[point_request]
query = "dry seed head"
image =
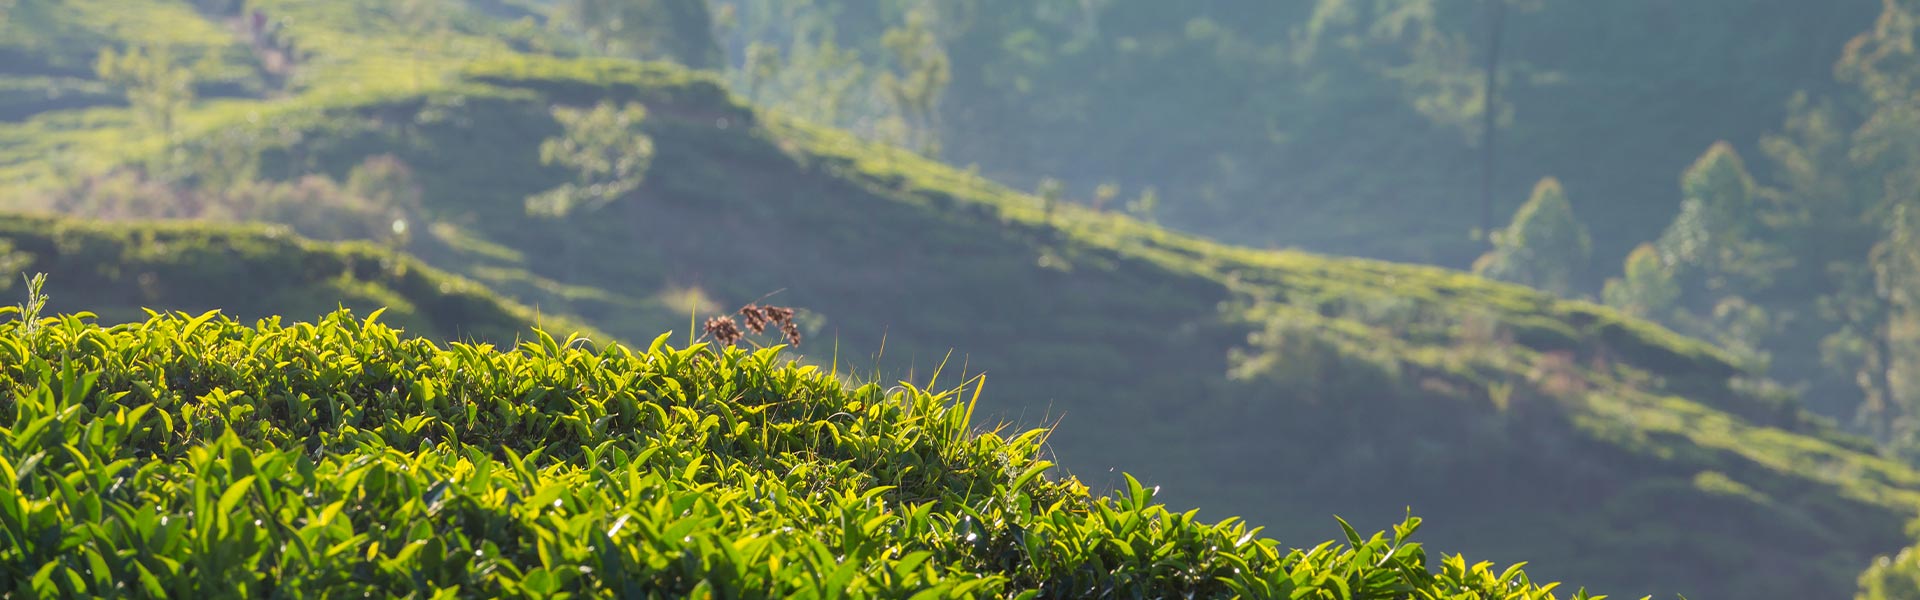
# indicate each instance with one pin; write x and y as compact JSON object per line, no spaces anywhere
{"x":757,"y":319}
{"x":723,"y":330}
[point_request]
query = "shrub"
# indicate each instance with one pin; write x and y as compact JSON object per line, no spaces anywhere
{"x":197,"y":456}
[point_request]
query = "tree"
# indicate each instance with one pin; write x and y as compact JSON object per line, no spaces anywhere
{"x":762,"y":68}
{"x":609,"y":155}
{"x":920,"y":75}
{"x":1646,"y":289}
{"x":1143,"y":208}
{"x":1545,"y":246}
{"x":606,"y":150}
{"x":679,"y":30}
{"x":1104,"y":195}
{"x":1718,"y":243}
{"x":1894,"y":577}
{"x":157,"y":88}
{"x":1893,"y":395}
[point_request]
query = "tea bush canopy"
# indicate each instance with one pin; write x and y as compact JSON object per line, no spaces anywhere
{"x":1275,"y":386}
{"x":198,"y":456}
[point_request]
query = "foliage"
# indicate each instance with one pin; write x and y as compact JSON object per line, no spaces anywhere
{"x":1891,"y":406}
{"x":1807,"y":280}
{"x":606,"y":151}
{"x":185,"y":449}
{"x":121,"y":269}
{"x":790,"y":57}
{"x":1545,"y":246}
{"x":1339,"y":126}
{"x":1718,"y":238}
{"x":1646,"y":287}
{"x":681,"y":30}
{"x":1146,"y":205}
{"x":28,"y":312}
{"x":1518,"y":420}
{"x":1894,"y":577}
{"x":157,"y":88}
{"x":748,"y":194}
{"x":376,"y":204}
{"x":920,"y":76}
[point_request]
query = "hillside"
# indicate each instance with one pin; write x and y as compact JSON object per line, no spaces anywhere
{"x":1364,"y":387}
{"x":116,"y":271}
{"x":1769,"y":127}
{"x":194,"y":455}
{"x":1280,"y":386}
{"x":1327,"y":125}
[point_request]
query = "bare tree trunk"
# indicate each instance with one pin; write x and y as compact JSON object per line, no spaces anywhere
{"x":1489,"y":112}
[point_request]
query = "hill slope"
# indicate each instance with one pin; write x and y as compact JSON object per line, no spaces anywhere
{"x":194,"y":455}
{"x":1273,"y":385}
{"x":1281,"y":386}
{"x":1329,"y":125}
{"x":118,"y":270}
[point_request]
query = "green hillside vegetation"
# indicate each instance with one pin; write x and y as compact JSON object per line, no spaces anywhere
{"x":1892,"y":577}
{"x":1798,"y":258}
{"x":200,"y":457}
{"x":1280,"y":386}
{"x":1361,"y":127}
{"x":1419,"y":377}
{"x":1341,"y":126}
{"x":118,"y":271}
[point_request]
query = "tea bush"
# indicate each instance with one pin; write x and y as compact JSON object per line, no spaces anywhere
{"x":197,"y":456}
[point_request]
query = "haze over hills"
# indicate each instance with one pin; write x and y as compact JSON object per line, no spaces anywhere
{"x":1279,"y":386}
{"x":1748,"y":145}
{"x":1330,"y":125}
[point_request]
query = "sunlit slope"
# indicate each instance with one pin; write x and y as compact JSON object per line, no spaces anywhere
{"x":1281,"y":386}
{"x":119,"y":271}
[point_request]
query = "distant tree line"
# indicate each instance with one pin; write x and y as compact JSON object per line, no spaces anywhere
{"x":1810,"y":275}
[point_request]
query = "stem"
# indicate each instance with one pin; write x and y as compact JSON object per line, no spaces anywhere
{"x":1496,"y":17}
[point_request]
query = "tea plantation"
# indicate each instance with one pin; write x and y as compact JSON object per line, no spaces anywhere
{"x":1278,"y":387}
{"x":200,"y":456}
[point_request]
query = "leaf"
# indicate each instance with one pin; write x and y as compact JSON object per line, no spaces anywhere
{"x":1033,"y":472}
{"x":1353,"y":537}
{"x":149,"y":582}
{"x":1136,"y":493}
{"x":234,"y":494}
{"x":193,"y":325}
